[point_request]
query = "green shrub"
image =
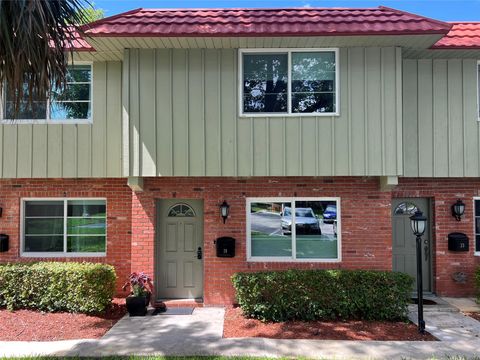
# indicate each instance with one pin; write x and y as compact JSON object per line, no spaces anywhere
{"x":477,"y":283}
{"x":57,"y":286}
{"x":323,"y":294}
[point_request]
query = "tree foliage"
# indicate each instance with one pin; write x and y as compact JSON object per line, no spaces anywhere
{"x":92,"y":14}
{"x":36,"y":37}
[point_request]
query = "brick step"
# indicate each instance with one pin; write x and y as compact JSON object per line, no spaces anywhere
{"x":175,"y":303}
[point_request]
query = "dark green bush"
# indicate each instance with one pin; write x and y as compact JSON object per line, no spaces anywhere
{"x":57,"y":286}
{"x":323,"y":294}
{"x":477,"y":283}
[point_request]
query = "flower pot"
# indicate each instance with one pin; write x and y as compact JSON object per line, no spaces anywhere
{"x":137,"y":305}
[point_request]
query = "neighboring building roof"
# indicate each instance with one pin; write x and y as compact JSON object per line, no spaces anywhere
{"x":463,"y":35}
{"x":78,"y":43}
{"x":265,"y":22}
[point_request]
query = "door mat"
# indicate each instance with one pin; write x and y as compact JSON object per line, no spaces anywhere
{"x":425,"y":301}
{"x":174,"y":311}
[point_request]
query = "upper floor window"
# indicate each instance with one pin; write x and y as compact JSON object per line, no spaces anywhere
{"x":71,"y":104}
{"x":281,"y":82}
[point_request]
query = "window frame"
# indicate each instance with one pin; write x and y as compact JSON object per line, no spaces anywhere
{"x":478,"y":90}
{"x":4,"y":121}
{"x":289,"y":52}
{"x":64,"y":254}
{"x":292,"y":259}
{"x":475,"y":251}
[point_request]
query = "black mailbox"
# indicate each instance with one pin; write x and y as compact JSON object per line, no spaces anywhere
{"x":457,"y":242}
{"x":225,"y":247}
{"x":3,"y":243}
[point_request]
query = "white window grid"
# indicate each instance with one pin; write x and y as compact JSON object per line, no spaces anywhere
{"x":42,"y":254}
{"x":289,"y":52}
{"x":292,"y":258}
{"x":475,"y":233}
{"x":48,"y":120}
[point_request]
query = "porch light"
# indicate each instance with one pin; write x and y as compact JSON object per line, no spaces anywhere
{"x":458,"y":209}
{"x":224,"y":210}
{"x":418,"y":222}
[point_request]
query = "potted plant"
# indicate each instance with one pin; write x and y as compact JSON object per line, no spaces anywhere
{"x":141,"y":287}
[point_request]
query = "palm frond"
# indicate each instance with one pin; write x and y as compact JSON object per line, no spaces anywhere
{"x":36,"y":37}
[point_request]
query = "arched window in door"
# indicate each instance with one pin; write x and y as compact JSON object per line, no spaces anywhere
{"x":181,"y":210}
{"x":405,"y":208}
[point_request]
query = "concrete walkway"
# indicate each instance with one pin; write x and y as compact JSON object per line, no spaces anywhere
{"x":201,"y":334}
{"x":446,"y":322}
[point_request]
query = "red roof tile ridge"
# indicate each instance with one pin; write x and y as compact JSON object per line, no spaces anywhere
{"x":88,"y":26}
{"x":258,"y":9}
{"x":446,"y":24}
{"x":202,"y":21}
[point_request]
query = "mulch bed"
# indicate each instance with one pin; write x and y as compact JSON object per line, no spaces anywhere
{"x":30,"y":325}
{"x":236,"y":325}
{"x":474,"y":315}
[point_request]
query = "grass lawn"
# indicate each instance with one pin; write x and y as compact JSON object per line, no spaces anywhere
{"x":448,"y":357}
{"x":144,"y":358}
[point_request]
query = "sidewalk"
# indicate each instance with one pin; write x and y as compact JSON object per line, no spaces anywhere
{"x":201,"y":334}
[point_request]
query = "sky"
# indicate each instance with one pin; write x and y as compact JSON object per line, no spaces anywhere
{"x":446,"y":10}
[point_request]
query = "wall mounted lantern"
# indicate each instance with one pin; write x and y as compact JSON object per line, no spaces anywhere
{"x":1,"y":211}
{"x":224,"y":210}
{"x":458,"y":209}
{"x":418,"y":222}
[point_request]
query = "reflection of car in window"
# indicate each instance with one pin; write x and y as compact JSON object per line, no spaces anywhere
{"x":306,"y":221}
{"x":330,"y":214}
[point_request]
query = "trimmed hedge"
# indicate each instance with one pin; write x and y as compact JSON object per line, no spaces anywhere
{"x":57,"y":286}
{"x":323,"y":294}
{"x":477,"y":283}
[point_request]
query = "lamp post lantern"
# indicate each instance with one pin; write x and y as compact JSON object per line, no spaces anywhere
{"x":418,"y":222}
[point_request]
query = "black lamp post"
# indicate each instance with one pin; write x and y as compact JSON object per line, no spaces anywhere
{"x":418,"y":222}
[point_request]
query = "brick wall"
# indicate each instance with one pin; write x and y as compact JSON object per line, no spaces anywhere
{"x":366,"y":225}
{"x":119,"y":201}
{"x":365,"y":221}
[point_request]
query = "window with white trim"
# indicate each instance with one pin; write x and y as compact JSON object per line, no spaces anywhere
{"x":72,"y":103}
{"x":293,"y":229}
{"x":478,"y":90}
{"x":477,"y":225}
{"x":60,"y":227}
{"x":289,"y":82}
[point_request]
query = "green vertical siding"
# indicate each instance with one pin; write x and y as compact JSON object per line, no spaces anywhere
{"x":70,"y":150}
{"x":181,"y":112}
{"x":440,"y":123}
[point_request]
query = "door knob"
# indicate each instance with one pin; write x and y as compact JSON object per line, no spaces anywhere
{"x":199,"y":253}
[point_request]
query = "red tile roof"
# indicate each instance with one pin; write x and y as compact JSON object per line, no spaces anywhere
{"x":463,"y":35}
{"x":78,"y":43}
{"x":265,"y":22}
